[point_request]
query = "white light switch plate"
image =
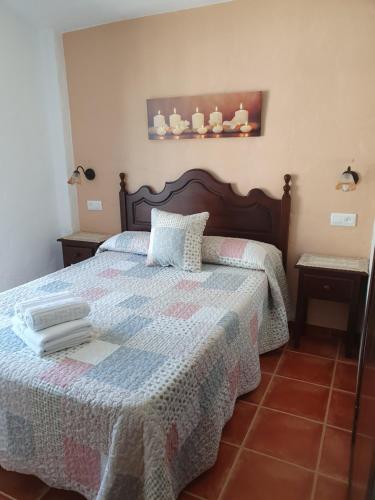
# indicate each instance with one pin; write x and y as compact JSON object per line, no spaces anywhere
{"x":345,"y":220}
{"x":94,"y":205}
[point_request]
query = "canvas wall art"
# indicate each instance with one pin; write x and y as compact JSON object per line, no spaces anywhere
{"x":236,"y":114}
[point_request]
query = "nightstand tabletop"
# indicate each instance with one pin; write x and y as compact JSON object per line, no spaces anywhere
{"x":85,"y":236}
{"x":358,"y":265}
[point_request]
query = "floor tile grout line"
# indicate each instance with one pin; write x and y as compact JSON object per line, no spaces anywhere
{"x":193,"y":495}
{"x":312,"y":354}
{"x":44,"y":493}
{"x":330,"y":476}
{"x":311,"y":383}
{"x":242,"y":446}
{"x":7,"y":496}
{"x":320,"y":452}
{"x":278,"y":459}
{"x":345,"y":361}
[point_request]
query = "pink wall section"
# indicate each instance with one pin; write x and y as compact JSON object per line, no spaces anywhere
{"x":313,"y":59}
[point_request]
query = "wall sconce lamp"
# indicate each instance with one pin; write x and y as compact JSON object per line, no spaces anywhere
{"x":76,"y":175}
{"x":348,"y":180}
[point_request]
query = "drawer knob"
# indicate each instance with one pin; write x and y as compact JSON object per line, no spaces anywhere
{"x":327,"y":288}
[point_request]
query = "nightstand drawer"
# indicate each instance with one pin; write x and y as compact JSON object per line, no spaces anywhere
{"x":328,"y":288}
{"x":72,"y":255}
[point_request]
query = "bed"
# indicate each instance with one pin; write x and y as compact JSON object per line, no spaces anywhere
{"x":138,"y":412}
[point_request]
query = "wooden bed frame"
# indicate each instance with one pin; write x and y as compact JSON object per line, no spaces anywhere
{"x":256,"y":216}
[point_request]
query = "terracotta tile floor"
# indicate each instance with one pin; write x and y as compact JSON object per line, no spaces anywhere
{"x":289,"y":439}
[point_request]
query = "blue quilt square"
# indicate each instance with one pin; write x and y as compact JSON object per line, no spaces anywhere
{"x":133,"y":257}
{"x":142,"y":271}
{"x":54,"y":286}
{"x":224,"y":281}
{"x":127,"y":328}
{"x":210,"y":386}
{"x":9,"y":342}
{"x":126,"y":486}
{"x":127,"y":368}
{"x":20,"y":437}
{"x":231,"y":324}
{"x":134,"y":302}
{"x":168,"y":245}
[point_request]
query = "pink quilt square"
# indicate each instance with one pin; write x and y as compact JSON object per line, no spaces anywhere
{"x":181,"y":310}
{"x":64,"y":373}
{"x":234,"y":380}
{"x":233,"y":248}
{"x":187,"y":285}
{"x":92,"y":294}
{"x":254,"y":328}
{"x":82,"y":464}
{"x":171,"y":445}
{"x":109,"y":273}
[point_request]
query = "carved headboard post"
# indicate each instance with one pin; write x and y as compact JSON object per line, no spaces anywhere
{"x":284,"y":222}
{"x":123,"y":211}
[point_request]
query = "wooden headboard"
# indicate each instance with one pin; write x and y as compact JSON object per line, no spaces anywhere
{"x":256,"y":216}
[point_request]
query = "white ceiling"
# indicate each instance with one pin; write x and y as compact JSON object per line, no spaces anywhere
{"x":70,"y":15}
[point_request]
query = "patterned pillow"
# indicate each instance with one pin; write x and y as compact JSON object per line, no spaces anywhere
{"x":238,"y":252}
{"x":128,"y":242}
{"x":176,"y":240}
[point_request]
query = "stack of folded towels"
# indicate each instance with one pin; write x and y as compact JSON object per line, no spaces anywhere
{"x":49,"y":324}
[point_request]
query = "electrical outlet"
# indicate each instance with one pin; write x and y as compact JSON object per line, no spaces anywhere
{"x":94,"y":205}
{"x":343,"y":220}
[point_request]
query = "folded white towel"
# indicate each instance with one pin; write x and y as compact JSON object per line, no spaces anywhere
{"x":43,"y":299}
{"x":56,"y":337}
{"x":43,"y":312}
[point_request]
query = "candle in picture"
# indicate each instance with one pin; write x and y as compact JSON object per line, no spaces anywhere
{"x":202,"y":130}
{"x":216,"y":117}
{"x":161,"y":130}
{"x":217,"y":129}
{"x":159,"y":120}
{"x":242,"y":115}
{"x":245,"y":128}
{"x":197,"y":119}
{"x":174,"y":119}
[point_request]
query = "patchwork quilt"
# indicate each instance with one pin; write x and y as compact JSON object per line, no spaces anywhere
{"x":138,"y":412}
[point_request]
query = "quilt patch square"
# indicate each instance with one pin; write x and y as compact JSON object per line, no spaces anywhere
{"x":171,"y":444}
{"x":92,"y":294}
{"x":187,"y":285}
{"x":82,"y":464}
{"x":127,"y":368}
{"x":232,"y":248}
{"x":63,"y":374}
{"x":93,"y":352}
{"x":231,"y":324}
{"x":254,"y":328}
{"x":9,"y":342}
{"x":126,"y":486}
{"x":54,"y":286}
{"x":20,"y":437}
{"x":127,"y":328}
{"x":135,"y":301}
{"x":224,"y":281}
{"x":142,"y":271}
{"x":181,"y":310}
{"x":109,"y":273}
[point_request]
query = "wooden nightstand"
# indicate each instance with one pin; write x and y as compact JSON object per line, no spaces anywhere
{"x":81,"y":246}
{"x":338,"y":279}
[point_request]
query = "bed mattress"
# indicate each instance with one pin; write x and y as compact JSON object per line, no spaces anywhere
{"x":138,"y":412}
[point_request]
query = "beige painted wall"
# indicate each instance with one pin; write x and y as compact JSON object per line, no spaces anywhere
{"x":314,"y":60}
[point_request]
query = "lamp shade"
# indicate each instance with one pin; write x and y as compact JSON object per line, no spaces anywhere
{"x":75,"y":178}
{"x":76,"y":175}
{"x":348,"y":180}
